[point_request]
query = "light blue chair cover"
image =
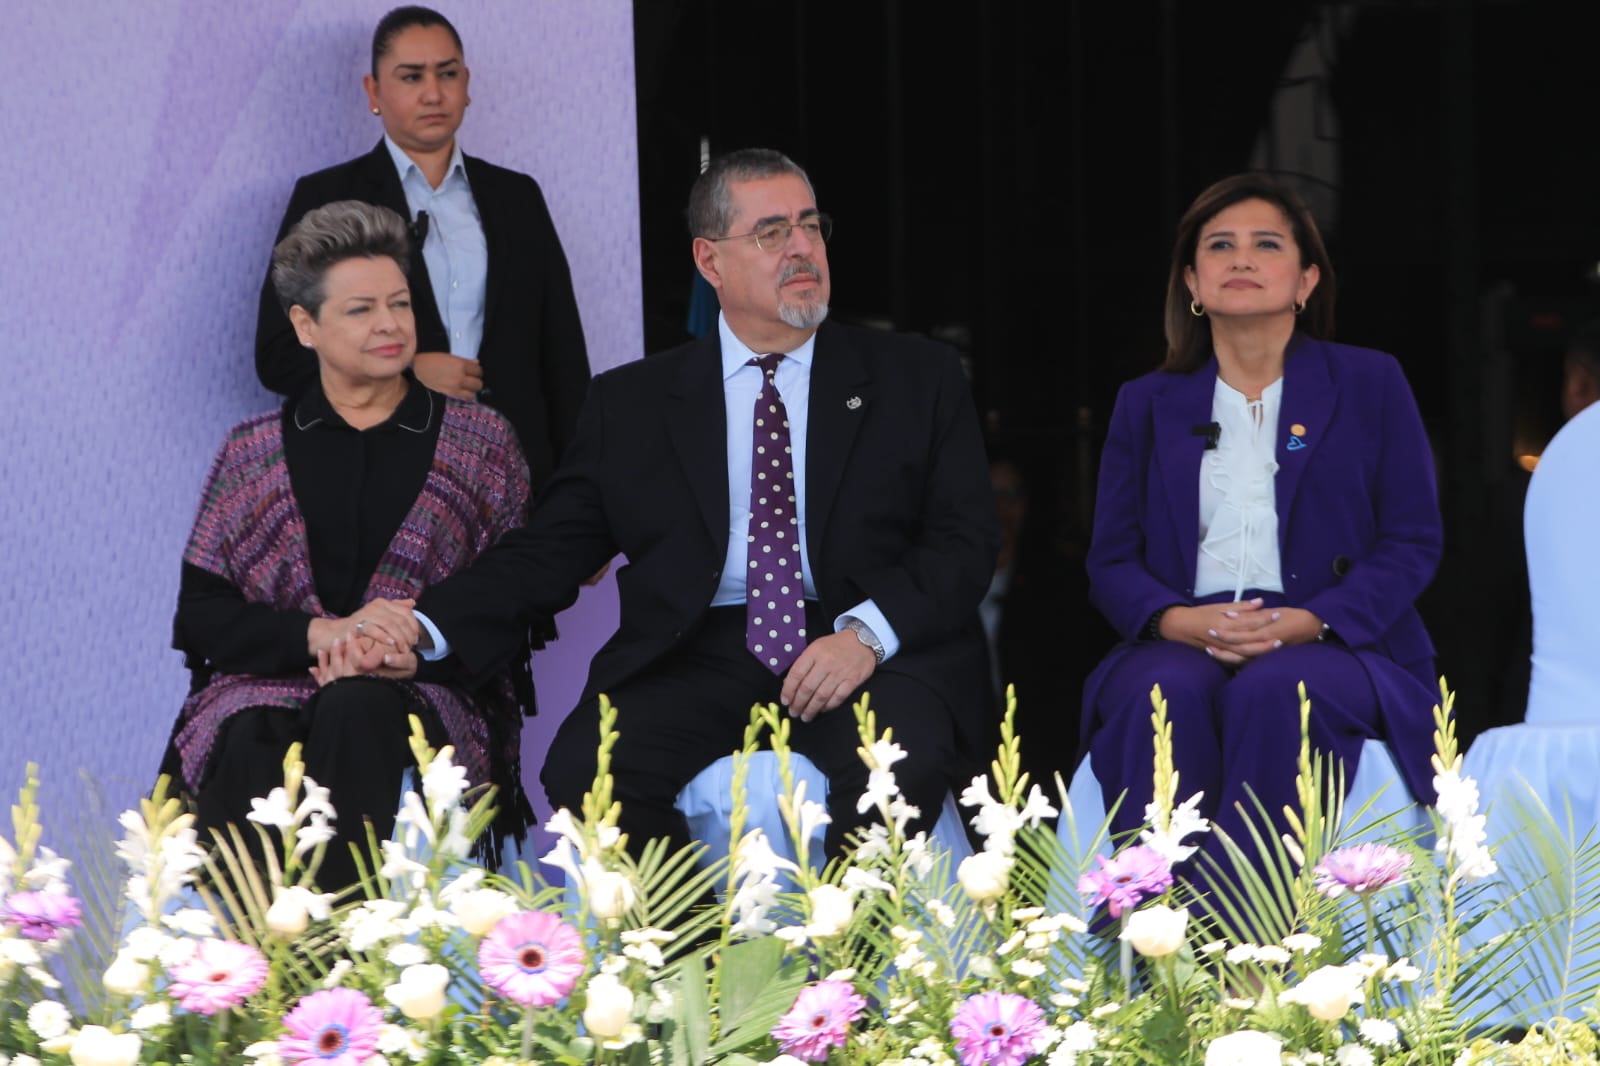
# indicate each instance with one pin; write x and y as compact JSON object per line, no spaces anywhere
{"x":707,"y":802}
{"x":1551,"y":760}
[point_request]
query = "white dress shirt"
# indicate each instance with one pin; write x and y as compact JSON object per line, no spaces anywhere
{"x":455,"y":249}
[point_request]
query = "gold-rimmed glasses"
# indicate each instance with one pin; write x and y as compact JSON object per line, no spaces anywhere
{"x":774,"y":236}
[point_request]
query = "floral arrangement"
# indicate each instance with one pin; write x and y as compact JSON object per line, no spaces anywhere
{"x":1325,"y":952}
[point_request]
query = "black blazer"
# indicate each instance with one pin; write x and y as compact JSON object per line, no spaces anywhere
{"x":898,"y":509}
{"x":535,"y":367}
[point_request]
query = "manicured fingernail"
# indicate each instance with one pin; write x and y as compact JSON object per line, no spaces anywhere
{"x":1277,"y":644}
{"x":1211,"y":653}
{"x":1231,"y":614}
{"x":1258,"y":601}
{"x":1211,"y":632}
{"x":1276,"y":616}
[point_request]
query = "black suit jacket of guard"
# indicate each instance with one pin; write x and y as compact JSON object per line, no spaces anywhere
{"x":535,"y":365}
{"x":898,"y":510}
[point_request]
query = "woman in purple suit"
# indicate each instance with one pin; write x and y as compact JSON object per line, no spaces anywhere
{"x":1266,"y":516}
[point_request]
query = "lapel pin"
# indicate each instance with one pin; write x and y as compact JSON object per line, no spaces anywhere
{"x":1297,"y":434}
{"x":853,"y":402}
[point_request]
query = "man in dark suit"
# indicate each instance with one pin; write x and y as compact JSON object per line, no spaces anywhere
{"x":859,"y":448}
{"x":495,"y":313}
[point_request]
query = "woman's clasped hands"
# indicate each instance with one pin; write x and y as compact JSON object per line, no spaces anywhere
{"x":379,"y":640}
{"x":1234,"y":633}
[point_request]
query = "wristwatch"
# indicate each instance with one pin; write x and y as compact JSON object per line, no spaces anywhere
{"x":866,"y":636}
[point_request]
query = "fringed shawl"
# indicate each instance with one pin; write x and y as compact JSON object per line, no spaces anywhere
{"x":250,"y":531}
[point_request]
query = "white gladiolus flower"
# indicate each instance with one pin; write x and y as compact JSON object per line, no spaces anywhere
{"x":420,"y":992}
{"x":1328,"y":993}
{"x":1183,"y":820}
{"x":272,"y":809}
{"x":1247,"y":1047}
{"x":126,"y":975}
{"x":49,"y":1019}
{"x":99,"y":1046}
{"x":984,"y":875}
{"x":608,"y":1006}
{"x":444,"y":782}
{"x":1156,"y":931}
{"x":191,"y":921}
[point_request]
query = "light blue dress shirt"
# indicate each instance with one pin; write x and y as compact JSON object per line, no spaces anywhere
{"x":741,"y":383}
{"x":455,"y":248}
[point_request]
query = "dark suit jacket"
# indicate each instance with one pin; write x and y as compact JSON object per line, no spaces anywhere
{"x":535,"y":367}
{"x":1359,"y":531}
{"x":898,"y":509}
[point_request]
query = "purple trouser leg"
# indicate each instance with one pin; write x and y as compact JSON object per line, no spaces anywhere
{"x":1235,"y":734}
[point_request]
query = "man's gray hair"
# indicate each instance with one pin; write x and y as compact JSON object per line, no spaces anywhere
{"x":344,"y":229}
{"x":711,"y":200}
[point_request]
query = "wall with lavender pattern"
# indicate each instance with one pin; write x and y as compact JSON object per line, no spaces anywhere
{"x":147,"y":153}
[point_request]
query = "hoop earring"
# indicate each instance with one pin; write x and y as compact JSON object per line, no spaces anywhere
{"x":1196,"y":309}
{"x":1299,"y":306}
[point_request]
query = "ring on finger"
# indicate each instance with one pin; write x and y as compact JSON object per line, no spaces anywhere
{"x":361,"y":623}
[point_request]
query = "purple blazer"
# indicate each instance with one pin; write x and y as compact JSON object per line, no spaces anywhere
{"x":1359,"y":531}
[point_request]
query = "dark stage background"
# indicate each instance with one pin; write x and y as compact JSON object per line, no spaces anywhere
{"x":1007,"y":176}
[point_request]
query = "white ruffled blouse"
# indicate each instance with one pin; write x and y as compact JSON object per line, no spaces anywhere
{"x":1238,"y":511}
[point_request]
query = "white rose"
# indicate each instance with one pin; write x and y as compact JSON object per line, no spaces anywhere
{"x":1156,"y":931}
{"x":420,"y":991}
{"x":480,"y":909}
{"x":98,"y":1046}
{"x":288,"y":915}
{"x":611,"y":894}
{"x":126,"y":975}
{"x":830,"y":910}
{"x":1328,"y":993}
{"x":49,"y":1019}
{"x":608,"y":1006}
{"x":984,"y":875}
{"x":1247,"y":1047}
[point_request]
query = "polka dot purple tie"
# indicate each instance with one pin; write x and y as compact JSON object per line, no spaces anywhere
{"x":775,"y":630}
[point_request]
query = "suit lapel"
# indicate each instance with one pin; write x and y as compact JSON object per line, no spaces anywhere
{"x":1309,"y":397}
{"x":1181,"y":407}
{"x":489,"y":218}
{"x":697,"y":422}
{"x":841,"y":398}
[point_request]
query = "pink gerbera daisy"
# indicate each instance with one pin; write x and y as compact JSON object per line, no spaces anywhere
{"x":820,"y":1019}
{"x":41,"y":915}
{"x":997,"y":1029}
{"x":1361,"y":868}
{"x":532,"y":958}
{"x":1124,"y":880}
{"x":220,"y":974}
{"x":334,"y":1027}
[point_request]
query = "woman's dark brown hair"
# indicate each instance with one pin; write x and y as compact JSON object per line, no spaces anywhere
{"x":1188,"y":335}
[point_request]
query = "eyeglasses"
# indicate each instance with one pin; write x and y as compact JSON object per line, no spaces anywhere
{"x":774,"y":236}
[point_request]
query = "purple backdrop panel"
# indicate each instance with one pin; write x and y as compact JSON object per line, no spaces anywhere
{"x":148,"y":162}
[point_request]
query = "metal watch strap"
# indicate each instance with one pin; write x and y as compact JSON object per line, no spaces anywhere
{"x":867,"y":637}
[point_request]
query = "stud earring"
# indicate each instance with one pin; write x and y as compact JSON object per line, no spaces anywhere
{"x":375,"y":111}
